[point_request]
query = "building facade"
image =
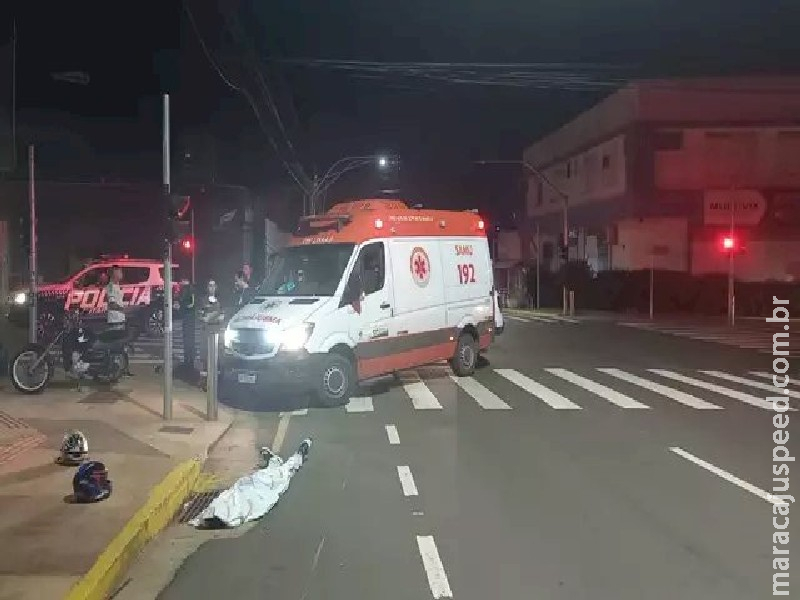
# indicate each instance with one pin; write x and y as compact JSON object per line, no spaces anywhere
{"x":658,"y":172}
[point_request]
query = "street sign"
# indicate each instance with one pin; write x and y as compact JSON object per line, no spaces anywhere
{"x":746,"y":206}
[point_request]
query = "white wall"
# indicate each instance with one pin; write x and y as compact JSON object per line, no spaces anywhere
{"x":724,"y":158}
{"x":635,"y":240}
{"x":594,"y":175}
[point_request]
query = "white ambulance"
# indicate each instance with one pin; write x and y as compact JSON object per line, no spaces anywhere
{"x":370,"y":288}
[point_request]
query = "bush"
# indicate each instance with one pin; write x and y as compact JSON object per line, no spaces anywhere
{"x":675,"y":292}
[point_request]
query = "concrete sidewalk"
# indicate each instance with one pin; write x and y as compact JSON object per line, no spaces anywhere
{"x":47,"y":543}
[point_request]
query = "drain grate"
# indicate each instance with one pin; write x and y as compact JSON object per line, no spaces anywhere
{"x":197,"y":504}
{"x":176,"y":429}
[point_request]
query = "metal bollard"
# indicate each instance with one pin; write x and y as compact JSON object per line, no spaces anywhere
{"x":572,"y":303}
{"x":212,"y":369}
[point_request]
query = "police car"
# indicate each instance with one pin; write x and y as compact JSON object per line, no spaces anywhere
{"x":142,"y":287}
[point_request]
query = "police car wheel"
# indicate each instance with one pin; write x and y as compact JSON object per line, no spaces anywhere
{"x":466,"y":356}
{"x":335,"y":380}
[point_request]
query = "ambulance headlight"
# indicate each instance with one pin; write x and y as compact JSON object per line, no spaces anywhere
{"x":230,"y":336}
{"x":295,"y":338}
{"x":20,"y":298}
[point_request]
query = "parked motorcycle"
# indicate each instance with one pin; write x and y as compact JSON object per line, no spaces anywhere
{"x":102,"y":356}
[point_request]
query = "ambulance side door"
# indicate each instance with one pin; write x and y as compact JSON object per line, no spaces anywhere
{"x":369,"y":308}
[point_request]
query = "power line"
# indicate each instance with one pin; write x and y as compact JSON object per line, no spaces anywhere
{"x":241,"y":90}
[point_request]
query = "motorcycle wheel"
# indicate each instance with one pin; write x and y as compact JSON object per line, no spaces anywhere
{"x":119,"y":367}
{"x":22,"y":378}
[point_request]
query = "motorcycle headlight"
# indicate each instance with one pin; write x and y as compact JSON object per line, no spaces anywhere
{"x":230,"y":336}
{"x":20,"y":298}
{"x":295,"y":338}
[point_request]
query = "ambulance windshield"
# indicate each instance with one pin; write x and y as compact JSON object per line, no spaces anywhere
{"x":313,"y":270}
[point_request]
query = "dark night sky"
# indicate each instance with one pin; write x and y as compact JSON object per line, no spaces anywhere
{"x":133,"y":51}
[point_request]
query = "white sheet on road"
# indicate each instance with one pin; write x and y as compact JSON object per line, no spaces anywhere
{"x":252,"y":496}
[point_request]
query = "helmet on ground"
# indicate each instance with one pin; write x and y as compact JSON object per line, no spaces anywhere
{"x":91,"y":482}
{"x":74,"y":448}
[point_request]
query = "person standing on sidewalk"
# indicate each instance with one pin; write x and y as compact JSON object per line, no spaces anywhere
{"x":186,"y":302}
{"x":115,"y":317}
{"x":242,"y":293}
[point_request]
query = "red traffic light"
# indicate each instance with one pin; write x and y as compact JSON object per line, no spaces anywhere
{"x":187,"y":244}
{"x":730,"y":243}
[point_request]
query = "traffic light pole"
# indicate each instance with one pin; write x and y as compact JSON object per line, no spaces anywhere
{"x":33,"y":316}
{"x":194,"y":248}
{"x":731,"y":282}
{"x":167,"y":274}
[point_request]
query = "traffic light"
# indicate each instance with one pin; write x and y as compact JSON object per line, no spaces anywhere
{"x":187,"y":244}
{"x":179,"y":213}
{"x":730,"y":243}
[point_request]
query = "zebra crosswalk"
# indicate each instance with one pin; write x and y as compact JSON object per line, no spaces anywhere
{"x":540,"y":318}
{"x":504,"y":389}
{"x":748,"y":337}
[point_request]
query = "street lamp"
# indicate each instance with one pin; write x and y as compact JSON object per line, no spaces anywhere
{"x":339,"y":168}
{"x":564,"y":199}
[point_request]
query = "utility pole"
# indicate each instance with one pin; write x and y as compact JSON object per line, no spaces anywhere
{"x":538,"y":263}
{"x":33,"y":313}
{"x":167,"y":272}
{"x":194,"y":249}
{"x":731,"y":282}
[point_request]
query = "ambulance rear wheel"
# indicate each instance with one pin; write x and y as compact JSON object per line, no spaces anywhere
{"x":466,"y":356}
{"x":336,"y":380}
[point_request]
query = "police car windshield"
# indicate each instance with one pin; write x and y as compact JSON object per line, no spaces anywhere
{"x":313,"y":270}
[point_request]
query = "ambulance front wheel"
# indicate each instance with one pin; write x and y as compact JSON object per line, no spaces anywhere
{"x":466,"y":356}
{"x":336,"y":380}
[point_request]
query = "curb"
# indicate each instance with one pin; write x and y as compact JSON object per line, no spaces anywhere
{"x":165,"y":500}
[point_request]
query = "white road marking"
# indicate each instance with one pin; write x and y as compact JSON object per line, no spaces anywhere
{"x":542,"y":319}
{"x":300,"y":412}
{"x":604,"y":392}
{"x":513,"y":318}
{"x":480,"y":393}
{"x":727,"y":476}
{"x":421,"y":397}
{"x":280,"y":433}
{"x":756,"y":384}
{"x":407,"y":481}
{"x":391,"y":433}
{"x":664,"y":390}
{"x":565,"y":319}
{"x":434,"y":569}
{"x":769,"y":376}
{"x":535,"y":388}
{"x":741,"y":396}
{"x":360,"y":404}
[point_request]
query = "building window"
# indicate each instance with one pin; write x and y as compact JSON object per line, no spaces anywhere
{"x":606,"y":161}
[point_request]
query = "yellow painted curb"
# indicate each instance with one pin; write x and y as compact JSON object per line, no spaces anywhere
{"x":162,"y":505}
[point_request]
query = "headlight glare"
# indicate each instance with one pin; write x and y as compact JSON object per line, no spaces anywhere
{"x":295,"y":338}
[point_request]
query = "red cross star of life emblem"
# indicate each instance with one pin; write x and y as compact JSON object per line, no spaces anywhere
{"x":420,"y":266}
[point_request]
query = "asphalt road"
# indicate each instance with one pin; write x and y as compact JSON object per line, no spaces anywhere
{"x":540,"y":478}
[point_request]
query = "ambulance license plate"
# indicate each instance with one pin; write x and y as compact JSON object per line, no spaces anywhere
{"x":247,"y":377}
